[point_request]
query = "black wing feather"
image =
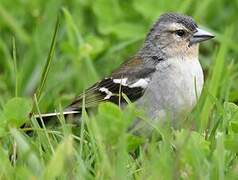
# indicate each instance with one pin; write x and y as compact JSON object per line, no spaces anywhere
{"x":93,"y":95}
{"x":133,"y":70}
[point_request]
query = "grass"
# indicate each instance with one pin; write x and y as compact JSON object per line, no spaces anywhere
{"x":45,"y":69}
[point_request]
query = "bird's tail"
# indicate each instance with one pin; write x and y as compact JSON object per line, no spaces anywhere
{"x":48,"y":115}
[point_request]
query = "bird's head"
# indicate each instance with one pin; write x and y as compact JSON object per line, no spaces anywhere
{"x":175,"y":35}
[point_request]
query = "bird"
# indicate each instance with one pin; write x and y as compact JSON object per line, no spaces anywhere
{"x":164,"y":76}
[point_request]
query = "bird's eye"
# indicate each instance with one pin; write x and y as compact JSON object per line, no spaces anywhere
{"x":180,"y":32}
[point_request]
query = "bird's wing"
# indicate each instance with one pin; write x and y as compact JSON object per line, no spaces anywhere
{"x":130,"y":79}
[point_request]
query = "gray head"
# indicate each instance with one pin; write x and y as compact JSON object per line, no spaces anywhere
{"x":174,"y":35}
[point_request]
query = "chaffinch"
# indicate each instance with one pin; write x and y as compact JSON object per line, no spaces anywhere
{"x":163,"y":76}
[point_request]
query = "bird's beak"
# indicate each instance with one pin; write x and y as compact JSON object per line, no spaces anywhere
{"x":199,"y":36}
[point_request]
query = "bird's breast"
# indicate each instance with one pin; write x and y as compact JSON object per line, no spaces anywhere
{"x":174,"y":87}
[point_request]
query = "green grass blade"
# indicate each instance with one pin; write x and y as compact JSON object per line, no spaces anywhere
{"x":26,"y":152}
{"x":43,"y":125}
{"x":61,"y":161}
{"x":15,"y":65}
{"x":215,"y":80}
{"x":48,"y":62}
